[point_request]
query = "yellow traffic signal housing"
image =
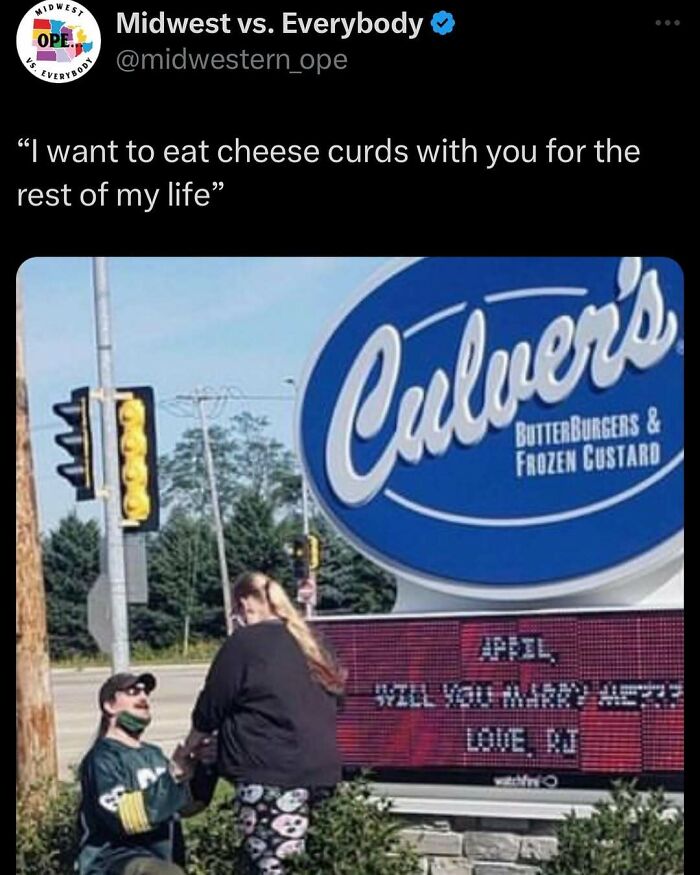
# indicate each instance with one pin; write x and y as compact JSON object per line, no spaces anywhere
{"x":314,"y":552}
{"x":300,"y":559}
{"x":306,"y":555}
{"x":138,"y":459}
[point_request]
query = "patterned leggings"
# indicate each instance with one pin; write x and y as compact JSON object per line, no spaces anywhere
{"x":274,"y":823}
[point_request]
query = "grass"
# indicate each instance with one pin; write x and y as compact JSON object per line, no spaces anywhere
{"x":199,"y":651}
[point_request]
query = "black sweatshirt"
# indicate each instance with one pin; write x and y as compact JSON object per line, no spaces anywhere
{"x":276,"y":723}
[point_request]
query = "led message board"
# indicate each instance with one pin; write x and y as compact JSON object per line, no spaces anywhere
{"x":518,"y":700}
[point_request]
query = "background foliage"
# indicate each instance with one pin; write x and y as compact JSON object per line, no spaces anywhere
{"x":629,"y":834}
{"x":260,"y":497}
{"x":351,"y":835}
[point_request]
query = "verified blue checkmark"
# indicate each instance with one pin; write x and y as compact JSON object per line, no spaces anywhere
{"x":443,"y":22}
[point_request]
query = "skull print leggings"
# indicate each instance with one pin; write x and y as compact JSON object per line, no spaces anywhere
{"x":273,"y":823}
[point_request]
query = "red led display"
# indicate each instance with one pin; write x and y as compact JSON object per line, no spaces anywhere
{"x":577,"y":696}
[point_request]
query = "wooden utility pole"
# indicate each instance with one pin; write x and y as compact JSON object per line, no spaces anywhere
{"x":199,"y":399}
{"x":36,"y":733}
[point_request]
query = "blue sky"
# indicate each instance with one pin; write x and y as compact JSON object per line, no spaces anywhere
{"x":177,"y":323}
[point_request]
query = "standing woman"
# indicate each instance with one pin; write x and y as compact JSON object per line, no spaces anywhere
{"x":271,"y":694}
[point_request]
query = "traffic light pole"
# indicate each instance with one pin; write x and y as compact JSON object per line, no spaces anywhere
{"x":308,"y":607}
{"x":304,"y":506}
{"x":116,"y":573}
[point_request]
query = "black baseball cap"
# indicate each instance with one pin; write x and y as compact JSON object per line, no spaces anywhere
{"x":124,"y":681}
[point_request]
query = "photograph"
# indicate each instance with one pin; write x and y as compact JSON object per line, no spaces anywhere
{"x":419,"y":518}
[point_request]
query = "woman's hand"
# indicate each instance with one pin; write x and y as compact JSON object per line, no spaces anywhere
{"x":193,"y":741}
{"x":207,"y":751}
{"x":197,"y":747}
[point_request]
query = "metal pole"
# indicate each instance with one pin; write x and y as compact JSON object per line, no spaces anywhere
{"x":304,"y":506}
{"x":290,"y":381}
{"x":217,"y":515}
{"x":308,"y":607}
{"x":116,"y":574}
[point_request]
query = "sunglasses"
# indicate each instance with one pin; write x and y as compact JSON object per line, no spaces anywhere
{"x":135,"y":690}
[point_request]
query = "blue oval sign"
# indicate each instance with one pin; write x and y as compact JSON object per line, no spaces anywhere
{"x":504,"y":426}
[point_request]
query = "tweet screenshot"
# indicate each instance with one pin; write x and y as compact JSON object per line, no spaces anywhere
{"x":350,"y":380}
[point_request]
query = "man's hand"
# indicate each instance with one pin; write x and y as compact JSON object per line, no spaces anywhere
{"x":203,"y":755}
{"x":181,"y":764}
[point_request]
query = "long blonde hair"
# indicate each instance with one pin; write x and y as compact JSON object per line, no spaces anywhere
{"x":321,"y":665}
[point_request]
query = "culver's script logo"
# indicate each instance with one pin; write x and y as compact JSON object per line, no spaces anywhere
{"x":512,"y":377}
{"x":553,"y":410}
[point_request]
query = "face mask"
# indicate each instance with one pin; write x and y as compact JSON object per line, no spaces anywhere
{"x":132,"y":724}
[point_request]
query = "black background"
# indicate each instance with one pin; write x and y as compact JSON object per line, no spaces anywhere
{"x":501,"y":77}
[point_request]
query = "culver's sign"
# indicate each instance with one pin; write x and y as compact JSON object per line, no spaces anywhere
{"x":504,"y":427}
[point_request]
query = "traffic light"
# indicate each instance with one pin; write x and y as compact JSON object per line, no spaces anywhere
{"x":78,"y":442}
{"x":306,"y":555}
{"x":300,"y":558}
{"x":138,"y":459}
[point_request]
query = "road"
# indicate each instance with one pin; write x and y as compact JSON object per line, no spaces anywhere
{"x":77,"y":714}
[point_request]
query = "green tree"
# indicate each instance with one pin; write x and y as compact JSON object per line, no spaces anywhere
{"x":182,"y":474}
{"x":348,"y":581}
{"x":287,"y":492}
{"x":245,"y":458}
{"x":185,"y":600}
{"x":71,"y":564}
{"x":253,"y":540}
{"x":263,"y":465}
{"x":261,"y":502}
{"x":629,"y":833}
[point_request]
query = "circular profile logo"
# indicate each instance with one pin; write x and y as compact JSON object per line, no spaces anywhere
{"x":58,"y":42}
